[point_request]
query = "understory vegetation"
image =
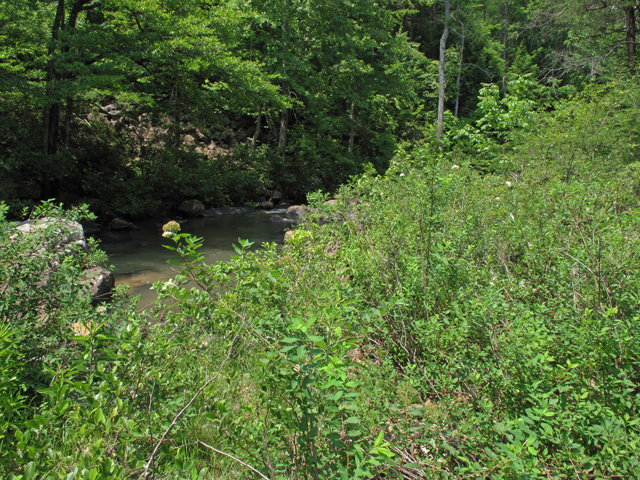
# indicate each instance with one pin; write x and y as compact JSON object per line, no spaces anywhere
{"x":471,"y":313}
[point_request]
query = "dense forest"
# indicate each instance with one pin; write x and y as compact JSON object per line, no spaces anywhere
{"x":458,"y":297}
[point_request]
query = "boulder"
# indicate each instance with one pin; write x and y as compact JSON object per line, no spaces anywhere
{"x":90,"y":228}
{"x":101,"y":283}
{"x":275,"y":195}
{"x":215,"y":212}
{"x":62,"y":232}
{"x":331,"y":203}
{"x":192,"y":208}
{"x":266,"y":205}
{"x":280,"y":219}
{"x":120,"y":224}
{"x":288,"y":235}
{"x":296,"y":212}
{"x":189,"y":139}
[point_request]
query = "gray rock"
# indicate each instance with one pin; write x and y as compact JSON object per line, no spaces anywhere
{"x":120,"y":224}
{"x":90,"y":228}
{"x":266,"y":205}
{"x":276,"y":195}
{"x":192,"y":208}
{"x":189,"y":139}
{"x":280,"y":219}
{"x":296,"y":211}
{"x":63,"y":233}
{"x":101,"y":283}
{"x":215,"y":212}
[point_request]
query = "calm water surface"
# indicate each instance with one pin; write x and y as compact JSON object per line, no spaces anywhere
{"x":139,"y":258}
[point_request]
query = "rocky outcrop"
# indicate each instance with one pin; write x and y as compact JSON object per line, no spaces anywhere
{"x":192,"y":208}
{"x":61,"y":232}
{"x":101,"y":283}
{"x":215,"y":212}
{"x":67,"y":237}
{"x":296,"y":212}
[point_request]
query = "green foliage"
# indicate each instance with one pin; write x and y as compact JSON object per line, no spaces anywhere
{"x":43,"y":286}
{"x":500,"y":117}
{"x":12,"y":399}
{"x":517,"y":312}
{"x":432,"y":322}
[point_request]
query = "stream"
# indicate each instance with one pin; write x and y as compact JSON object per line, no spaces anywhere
{"x":139,"y":258}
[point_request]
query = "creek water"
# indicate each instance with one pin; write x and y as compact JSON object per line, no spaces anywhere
{"x":139,"y":258}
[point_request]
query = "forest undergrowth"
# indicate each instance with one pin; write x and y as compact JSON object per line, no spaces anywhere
{"x":440,"y":321}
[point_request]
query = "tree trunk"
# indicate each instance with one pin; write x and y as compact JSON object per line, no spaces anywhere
{"x":630,"y":14}
{"x":352,"y":117}
{"x":459,"y":71}
{"x":505,"y":40}
{"x":284,"y":114}
{"x":67,"y":122}
{"x":443,"y":47}
{"x":51,"y":108}
{"x":67,"y":26}
{"x":256,"y":134}
{"x":352,"y":133}
{"x":284,"y":125}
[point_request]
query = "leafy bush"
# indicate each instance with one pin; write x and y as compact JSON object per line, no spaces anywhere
{"x":517,"y":313}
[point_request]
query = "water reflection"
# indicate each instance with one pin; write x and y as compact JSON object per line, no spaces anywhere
{"x":139,"y":258}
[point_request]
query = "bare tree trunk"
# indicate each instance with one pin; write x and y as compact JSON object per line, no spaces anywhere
{"x":630,"y":14}
{"x":505,"y":40}
{"x":284,"y":115}
{"x":443,"y":47}
{"x":352,"y":133}
{"x":67,"y":122}
{"x":352,"y":117}
{"x":284,"y":125}
{"x":51,"y":76}
{"x":256,"y":134}
{"x":76,"y":7}
{"x":459,"y":71}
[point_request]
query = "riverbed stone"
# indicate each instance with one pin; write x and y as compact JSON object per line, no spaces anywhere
{"x":192,"y":208}
{"x":101,"y":283}
{"x":121,"y":224}
{"x":266,"y":205}
{"x":215,"y":212}
{"x":296,"y":212}
{"x":90,"y":228}
{"x":280,"y":219}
